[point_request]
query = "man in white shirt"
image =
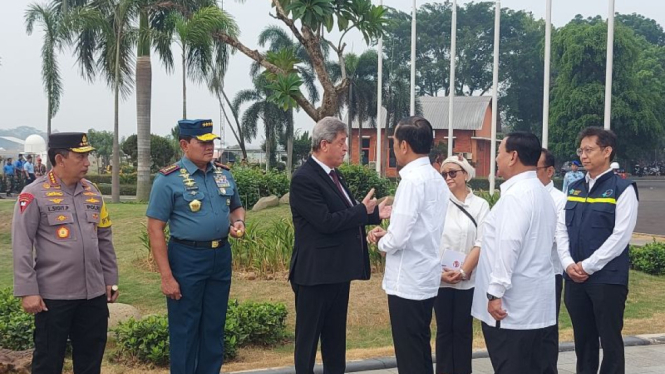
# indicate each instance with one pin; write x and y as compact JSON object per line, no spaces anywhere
{"x":515,"y":270}
{"x":545,"y":171}
{"x":593,"y":239}
{"x":411,"y":245}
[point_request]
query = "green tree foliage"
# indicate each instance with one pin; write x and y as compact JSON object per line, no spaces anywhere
{"x":579,"y":51}
{"x":162,"y":151}
{"x":103,"y":143}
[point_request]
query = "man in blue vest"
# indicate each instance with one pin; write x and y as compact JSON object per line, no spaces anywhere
{"x":592,"y":238}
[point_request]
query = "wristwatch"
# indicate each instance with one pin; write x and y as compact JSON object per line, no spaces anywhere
{"x":491,"y":297}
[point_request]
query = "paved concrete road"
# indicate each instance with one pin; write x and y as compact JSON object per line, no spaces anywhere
{"x":647,"y":359}
{"x":651,"y":217}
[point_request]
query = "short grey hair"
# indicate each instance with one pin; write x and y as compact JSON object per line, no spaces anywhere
{"x":326,"y":129}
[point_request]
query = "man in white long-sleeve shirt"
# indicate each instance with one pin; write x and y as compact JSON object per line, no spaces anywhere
{"x":593,"y":238}
{"x":514,"y":297}
{"x":411,"y":245}
{"x":545,"y":172}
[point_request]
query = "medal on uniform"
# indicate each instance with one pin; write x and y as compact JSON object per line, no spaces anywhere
{"x":222,"y":191}
{"x":195,"y":205}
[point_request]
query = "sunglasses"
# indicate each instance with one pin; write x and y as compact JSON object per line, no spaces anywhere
{"x":452,"y":174}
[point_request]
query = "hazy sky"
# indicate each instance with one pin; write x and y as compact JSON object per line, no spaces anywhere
{"x":90,"y":105}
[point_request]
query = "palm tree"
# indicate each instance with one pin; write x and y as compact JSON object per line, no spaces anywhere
{"x":360,"y":100}
{"x":49,"y":19}
{"x":193,"y":33}
{"x":216,"y":86}
{"x":261,"y":108}
{"x":278,"y":41}
{"x":105,"y":35}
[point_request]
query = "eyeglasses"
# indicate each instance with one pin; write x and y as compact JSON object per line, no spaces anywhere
{"x":452,"y":174}
{"x":587,"y":150}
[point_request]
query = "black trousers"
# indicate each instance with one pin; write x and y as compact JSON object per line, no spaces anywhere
{"x":552,"y":334}
{"x":84,"y":322}
{"x":596,"y":311}
{"x":410,"y":321}
{"x":454,"y":331}
{"x":321,"y":313}
{"x":515,"y":351}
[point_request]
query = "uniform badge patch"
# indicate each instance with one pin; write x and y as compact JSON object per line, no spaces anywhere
{"x":608,"y":193}
{"x":169,"y":169}
{"x":63,"y":232}
{"x":61,"y":218}
{"x":92,"y":200}
{"x":54,"y":193}
{"x":57,"y":201}
{"x":90,"y":194}
{"x":24,"y":200}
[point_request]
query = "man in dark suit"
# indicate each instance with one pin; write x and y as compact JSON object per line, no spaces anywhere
{"x":330,"y":248}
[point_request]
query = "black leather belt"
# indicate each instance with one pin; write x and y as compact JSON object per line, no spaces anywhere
{"x":202,"y":244}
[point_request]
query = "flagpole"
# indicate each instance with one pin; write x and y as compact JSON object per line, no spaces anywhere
{"x":379,"y":103}
{"x":412,"y":108}
{"x":610,"y":61}
{"x":451,"y":95}
{"x":495,"y":89}
{"x":546,"y":83}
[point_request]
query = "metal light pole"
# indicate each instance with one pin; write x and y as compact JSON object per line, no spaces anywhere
{"x":379,"y":103}
{"x":412,"y":110}
{"x":546,"y":84}
{"x":495,"y":89}
{"x":451,"y":95}
{"x":610,"y":61}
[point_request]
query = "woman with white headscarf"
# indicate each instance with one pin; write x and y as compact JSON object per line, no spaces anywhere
{"x":461,"y":234}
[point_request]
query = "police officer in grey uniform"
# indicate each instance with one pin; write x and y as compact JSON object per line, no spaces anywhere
{"x":65,"y":268}
{"x":200,"y":202}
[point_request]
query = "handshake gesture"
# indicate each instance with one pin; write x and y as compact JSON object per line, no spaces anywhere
{"x":370,"y":204}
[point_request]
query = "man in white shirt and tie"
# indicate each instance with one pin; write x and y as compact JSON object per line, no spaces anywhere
{"x":593,"y":239}
{"x":514,"y":297}
{"x":545,"y":172}
{"x":411,"y":245}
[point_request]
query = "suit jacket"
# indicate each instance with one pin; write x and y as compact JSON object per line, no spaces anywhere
{"x":330,"y":245}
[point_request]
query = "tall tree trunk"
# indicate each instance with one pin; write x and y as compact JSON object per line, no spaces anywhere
{"x":349,"y":122}
{"x":143,"y":107}
{"x":360,"y":141}
{"x":289,"y":146}
{"x":268,"y":138}
{"x":241,"y":137}
{"x":48,"y":130}
{"x":115,"y":175}
{"x":184,"y":86}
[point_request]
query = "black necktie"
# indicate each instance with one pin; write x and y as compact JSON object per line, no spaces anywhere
{"x":335,"y":178}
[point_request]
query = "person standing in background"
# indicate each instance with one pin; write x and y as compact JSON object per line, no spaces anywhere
{"x":9,"y":172}
{"x":40,"y":169}
{"x":545,"y":172}
{"x":29,"y":170}
{"x":462,"y":233}
{"x":571,"y":176}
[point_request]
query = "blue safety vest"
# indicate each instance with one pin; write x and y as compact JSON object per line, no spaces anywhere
{"x":590,"y":217}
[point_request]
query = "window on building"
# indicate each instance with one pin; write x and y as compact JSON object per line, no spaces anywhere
{"x":392,"y":161}
{"x":365,"y":151}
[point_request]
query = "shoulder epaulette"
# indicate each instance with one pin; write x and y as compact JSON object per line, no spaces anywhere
{"x":169,"y":169}
{"x":219,"y":164}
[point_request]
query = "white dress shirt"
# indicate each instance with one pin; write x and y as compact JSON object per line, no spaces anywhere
{"x":515,"y":262}
{"x":560,"y":203}
{"x":625,"y":218}
{"x":327,"y":169}
{"x":460,"y":234}
{"x":413,"y":267}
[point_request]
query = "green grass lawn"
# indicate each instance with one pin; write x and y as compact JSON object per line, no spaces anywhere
{"x":368,"y":323}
